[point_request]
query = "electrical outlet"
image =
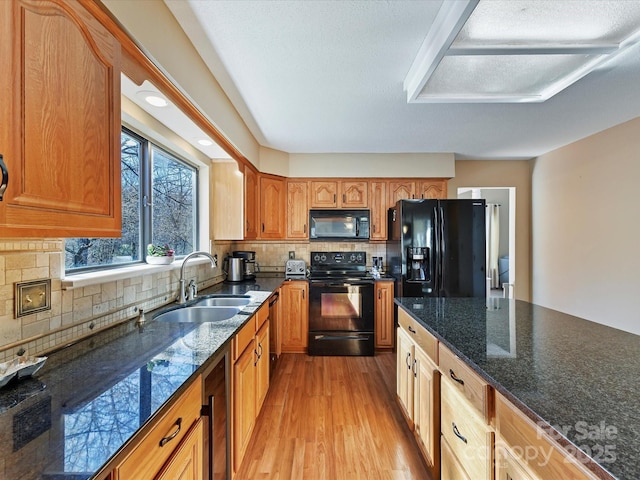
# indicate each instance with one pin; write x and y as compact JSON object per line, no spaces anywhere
{"x":292,"y":255}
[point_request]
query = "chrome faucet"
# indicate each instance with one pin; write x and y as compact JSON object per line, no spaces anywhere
{"x":182,"y":295}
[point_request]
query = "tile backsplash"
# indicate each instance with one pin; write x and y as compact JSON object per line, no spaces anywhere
{"x":81,"y":311}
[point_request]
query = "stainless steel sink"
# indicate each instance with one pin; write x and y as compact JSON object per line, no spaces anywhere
{"x":223,"y":301}
{"x":198,"y":314}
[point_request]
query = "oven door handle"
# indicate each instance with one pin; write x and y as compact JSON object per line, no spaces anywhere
{"x":340,"y":284}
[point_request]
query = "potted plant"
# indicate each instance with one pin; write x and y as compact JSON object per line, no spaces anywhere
{"x":159,"y":254}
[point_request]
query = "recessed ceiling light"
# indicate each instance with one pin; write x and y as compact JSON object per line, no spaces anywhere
{"x":153,"y":98}
{"x":205,"y":143}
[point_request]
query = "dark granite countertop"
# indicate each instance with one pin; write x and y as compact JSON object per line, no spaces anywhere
{"x":90,"y":398}
{"x":579,"y":377}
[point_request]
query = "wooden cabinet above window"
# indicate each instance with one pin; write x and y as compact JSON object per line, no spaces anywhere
{"x":60,"y":127}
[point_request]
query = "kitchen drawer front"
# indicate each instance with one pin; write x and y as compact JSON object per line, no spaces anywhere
{"x":508,"y":467}
{"x":450,"y":467}
{"x":468,"y":436}
{"x":148,"y":456}
{"x":261,"y":316}
{"x":243,"y":338}
{"x":419,"y":335}
{"x":545,"y":457}
{"x":467,"y":382}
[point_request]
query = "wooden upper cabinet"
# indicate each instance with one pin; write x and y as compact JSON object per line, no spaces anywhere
{"x":324,"y":194}
{"x":432,"y":188}
{"x":401,"y":190}
{"x":251,"y":210}
{"x":297,"y":209}
{"x":273,"y":204}
{"x":225,"y":202}
{"x":339,"y":194}
{"x":378,"y":203}
{"x":59,"y":122}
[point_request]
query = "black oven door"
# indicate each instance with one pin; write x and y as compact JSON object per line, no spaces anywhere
{"x":341,"y":318}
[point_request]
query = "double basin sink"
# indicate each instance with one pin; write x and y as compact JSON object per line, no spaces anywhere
{"x":211,"y":308}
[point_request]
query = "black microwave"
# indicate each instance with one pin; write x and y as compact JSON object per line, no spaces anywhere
{"x":339,"y":225}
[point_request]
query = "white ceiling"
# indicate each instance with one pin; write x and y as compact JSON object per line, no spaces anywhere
{"x":318,"y":76}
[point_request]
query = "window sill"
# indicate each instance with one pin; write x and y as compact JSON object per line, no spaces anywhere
{"x":111,"y":275}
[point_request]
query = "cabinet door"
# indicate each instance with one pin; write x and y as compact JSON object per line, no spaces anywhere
{"x":262,"y":365}
{"x":186,"y":463}
{"x":404,"y":372}
{"x":272,"y":207}
{"x":401,"y":190}
{"x":297,"y":209}
{"x":508,"y":467}
{"x":60,"y":122}
{"x":244,"y":402}
{"x":432,"y":188}
{"x":295,"y":317}
{"x":225,"y":205}
{"x":384,"y":314}
{"x":324,"y":194}
{"x":251,"y":211}
{"x":378,"y":201}
{"x":354,"y":194}
{"x":426,"y":401}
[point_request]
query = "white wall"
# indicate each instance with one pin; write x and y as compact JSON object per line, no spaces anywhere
{"x":586,"y":228}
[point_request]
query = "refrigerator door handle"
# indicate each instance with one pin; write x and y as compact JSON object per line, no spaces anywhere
{"x":436,"y":257}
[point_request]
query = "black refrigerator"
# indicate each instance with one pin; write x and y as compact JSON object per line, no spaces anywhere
{"x":437,"y":248}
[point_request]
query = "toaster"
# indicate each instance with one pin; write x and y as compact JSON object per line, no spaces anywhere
{"x":295,"y":269}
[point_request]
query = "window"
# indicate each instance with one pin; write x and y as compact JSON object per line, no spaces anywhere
{"x":159,"y":205}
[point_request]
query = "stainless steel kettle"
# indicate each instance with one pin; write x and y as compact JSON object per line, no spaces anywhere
{"x":233,"y":268}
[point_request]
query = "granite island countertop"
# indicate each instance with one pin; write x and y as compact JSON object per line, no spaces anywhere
{"x":90,"y":398}
{"x":578,"y":376}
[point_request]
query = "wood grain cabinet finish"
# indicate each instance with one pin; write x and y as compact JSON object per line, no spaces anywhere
{"x":297,"y":209}
{"x":418,"y":392}
{"x":294,"y":313}
{"x":339,"y":194}
{"x":251,"y":206}
{"x":59,"y":121}
{"x":428,"y":188}
{"x":250,"y":382}
{"x":226,"y":204}
{"x":383,"y":311}
{"x":546,"y":459}
{"x":186,"y":463}
{"x":378,"y":209}
{"x":273,"y":204}
{"x":155,"y":449}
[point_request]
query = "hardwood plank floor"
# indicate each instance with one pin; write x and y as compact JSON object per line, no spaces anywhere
{"x":332,"y":418}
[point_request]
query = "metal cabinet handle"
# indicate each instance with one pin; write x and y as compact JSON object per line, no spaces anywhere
{"x":453,"y":375}
{"x":167,"y":439}
{"x":457,"y":433}
{"x":411,"y":329}
{"x":344,"y":198}
{"x":5,"y":177}
{"x":415,"y":368}
{"x":408,"y":360}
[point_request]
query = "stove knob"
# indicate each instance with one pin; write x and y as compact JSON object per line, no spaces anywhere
{"x":323,"y":257}
{"x":359,"y":257}
{"x":316,"y":257}
{"x":352,"y":258}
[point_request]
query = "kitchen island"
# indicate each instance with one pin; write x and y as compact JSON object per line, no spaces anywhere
{"x":575,"y":379}
{"x":90,"y":399}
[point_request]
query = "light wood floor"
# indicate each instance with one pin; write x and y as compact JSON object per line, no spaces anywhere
{"x":332,"y":418}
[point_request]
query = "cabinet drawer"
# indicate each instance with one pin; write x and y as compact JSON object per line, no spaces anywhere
{"x":470,"y":438}
{"x":451,"y":468}
{"x":467,"y":382}
{"x":243,"y":338}
{"x":507,"y":465}
{"x":261,"y":316}
{"x":419,"y":335}
{"x":149,"y":455}
{"x":544,"y":456}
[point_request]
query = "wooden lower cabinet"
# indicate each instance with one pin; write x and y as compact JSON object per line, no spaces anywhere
{"x":250,"y":382}
{"x":384,"y":328}
{"x":160,"y":444}
{"x":509,"y":466}
{"x":294,"y":311}
{"x":467,"y":434}
{"x":418,"y":390}
{"x":186,"y":462}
